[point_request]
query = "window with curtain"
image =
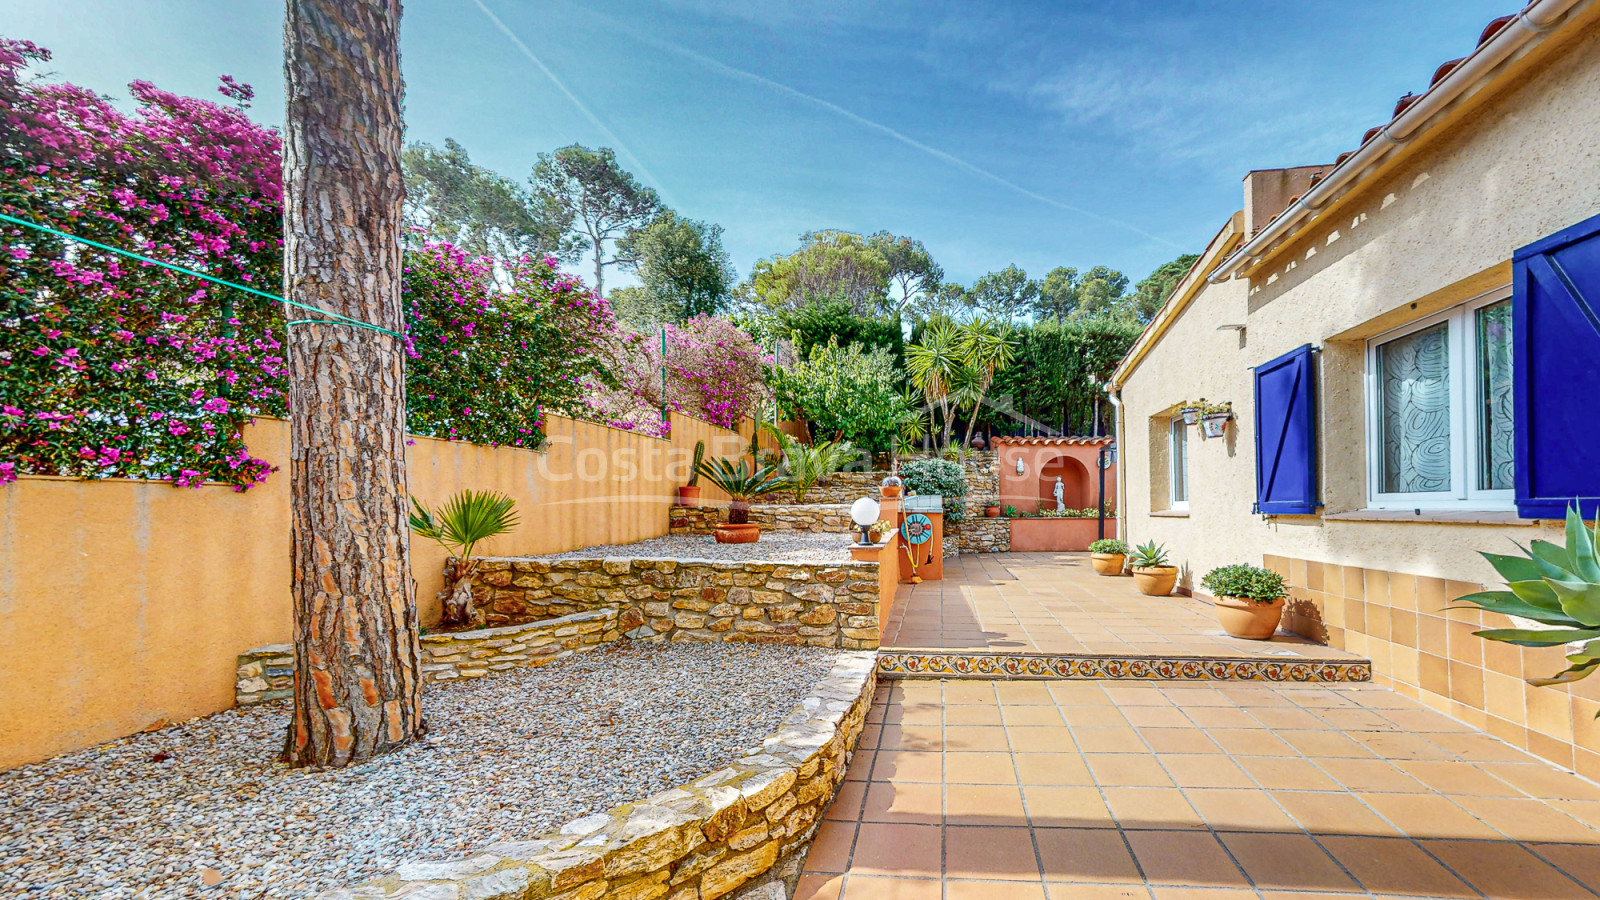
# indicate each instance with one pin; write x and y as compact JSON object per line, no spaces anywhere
{"x":1440,"y":410}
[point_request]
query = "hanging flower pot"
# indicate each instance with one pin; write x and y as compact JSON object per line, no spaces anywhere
{"x":1191,"y":414}
{"x":1214,"y":425}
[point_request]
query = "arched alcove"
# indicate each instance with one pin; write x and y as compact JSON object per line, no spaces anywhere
{"x":1077,"y":490}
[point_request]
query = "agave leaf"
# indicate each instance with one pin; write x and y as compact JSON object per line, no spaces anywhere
{"x":1583,"y":663}
{"x":1536,"y":593}
{"x":1510,"y":604}
{"x":1553,"y":559}
{"x":1531,"y":637}
{"x":1579,"y":599}
{"x":1514,"y":568}
{"x":1580,"y":547}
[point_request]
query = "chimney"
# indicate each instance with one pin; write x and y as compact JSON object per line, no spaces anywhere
{"x":1268,"y":192}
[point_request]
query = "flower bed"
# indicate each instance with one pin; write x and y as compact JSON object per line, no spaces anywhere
{"x":1057,"y":534}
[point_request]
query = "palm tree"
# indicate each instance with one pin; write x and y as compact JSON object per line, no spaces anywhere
{"x":935,"y":367}
{"x":357,"y":685}
{"x":742,"y":485}
{"x":987,"y":347}
{"x":805,"y":465}
{"x":466,"y":520}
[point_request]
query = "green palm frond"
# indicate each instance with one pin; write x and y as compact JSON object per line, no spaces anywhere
{"x":741,"y":483}
{"x":465,"y":520}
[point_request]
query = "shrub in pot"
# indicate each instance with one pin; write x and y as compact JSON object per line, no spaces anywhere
{"x":1249,"y":600}
{"x":1151,"y":573}
{"x":742,"y":485}
{"x":689,"y":494}
{"x":1107,"y":556}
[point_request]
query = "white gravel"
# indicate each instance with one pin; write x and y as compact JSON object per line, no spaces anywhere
{"x":511,"y":755}
{"x":774,"y":546}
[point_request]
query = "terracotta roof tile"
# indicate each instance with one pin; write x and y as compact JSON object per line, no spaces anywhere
{"x":1053,"y":441}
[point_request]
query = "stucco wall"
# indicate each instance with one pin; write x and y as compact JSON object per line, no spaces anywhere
{"x":126,"y":603}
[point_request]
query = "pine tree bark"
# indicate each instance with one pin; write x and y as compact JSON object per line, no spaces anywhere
{"x":357,"y":690}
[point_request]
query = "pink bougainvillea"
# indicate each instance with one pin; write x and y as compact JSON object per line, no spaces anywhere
{"x":713,"y":372}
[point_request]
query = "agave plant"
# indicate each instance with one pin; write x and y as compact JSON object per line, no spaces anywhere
{"x":1148,"y":555}
{"x":804,"y":465}
{"x":1558,"y":587}
{"x":742,"y":485}
{"x":464,"y":521}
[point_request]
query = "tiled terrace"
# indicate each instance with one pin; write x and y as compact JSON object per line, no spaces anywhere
{"x":1222,"y":791}
{"x":1053,"y":605}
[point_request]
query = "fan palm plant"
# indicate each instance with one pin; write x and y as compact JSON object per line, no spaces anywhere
{"x":464,"y":521}
{"x":742,"y":484}
{"x":804,"y":465}
{"x":1556,"y":587}
{"x":935,"y":367}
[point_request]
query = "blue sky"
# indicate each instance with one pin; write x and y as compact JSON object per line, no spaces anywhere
{"x":1040,"y":134}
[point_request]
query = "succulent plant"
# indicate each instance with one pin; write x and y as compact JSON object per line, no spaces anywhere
{"x":1148,"y":555}
{"x":742,"y":485}
{"x":699,"y":457}
{"x":1558,"y":587}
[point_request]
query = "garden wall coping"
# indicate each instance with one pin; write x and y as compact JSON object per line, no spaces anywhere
{"x":699,"y":841}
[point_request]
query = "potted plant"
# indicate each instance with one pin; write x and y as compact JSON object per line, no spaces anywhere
{"x":1151,"y":574}
{"x":689,"y":494}
{"x":1012,"y":512}
{"x":1214,"y":419}
{"x":891,"y":486}
{"x":742,"y":485}
{"x":992,"y":511}
{"x":1107,"y":556}
{"x":464,"y":521}
{"x":1249,"y":600}
{"x":1190,"y":411}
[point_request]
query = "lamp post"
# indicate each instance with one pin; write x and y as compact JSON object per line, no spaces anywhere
{"x":864,"y":512}
{"x":1108,"y":455}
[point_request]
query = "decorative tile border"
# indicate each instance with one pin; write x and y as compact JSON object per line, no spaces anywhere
{"x":940,"y":664}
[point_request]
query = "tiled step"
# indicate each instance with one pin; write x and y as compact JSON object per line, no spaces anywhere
{"x":916,"y":663}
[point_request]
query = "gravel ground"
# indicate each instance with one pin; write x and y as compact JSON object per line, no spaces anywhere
{"x":511,"y":755}
{"x":774,"y":546}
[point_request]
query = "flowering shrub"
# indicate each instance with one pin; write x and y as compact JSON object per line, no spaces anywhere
{"x":713,"y":373}
{"x":112,"y":367}
{"x":486,"y":363}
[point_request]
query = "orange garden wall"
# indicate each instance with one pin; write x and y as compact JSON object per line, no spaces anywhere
{"x":124,"y":604}
{"x":1058,"y":535}
{"x":1043,"y":459}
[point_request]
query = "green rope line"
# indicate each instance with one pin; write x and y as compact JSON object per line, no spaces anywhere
{"x":334,"y":318}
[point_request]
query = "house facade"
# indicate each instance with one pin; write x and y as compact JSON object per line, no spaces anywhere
{"x":1407,"y":340}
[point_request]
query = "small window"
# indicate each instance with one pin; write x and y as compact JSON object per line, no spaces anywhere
{"x":1178,"y":455}
{"x":1439,"y":410}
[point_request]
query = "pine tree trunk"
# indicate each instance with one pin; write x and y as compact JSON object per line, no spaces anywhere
{"x":356,"y":690}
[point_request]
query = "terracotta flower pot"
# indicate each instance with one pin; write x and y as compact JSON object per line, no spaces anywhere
{"x":1155,"y":581}
{"x":890,"y":490}
{"x":992,"y":511}
{"x":689,"y":495}
{"x":738,"y":534}
{"x":1107,"y":563}
{"x":1244,"y":618}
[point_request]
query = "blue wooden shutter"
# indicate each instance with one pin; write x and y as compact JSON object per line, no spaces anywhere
{"x":1555,"y":345}
{"x":1286,"y":436}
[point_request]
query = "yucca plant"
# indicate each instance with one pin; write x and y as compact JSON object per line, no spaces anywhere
{"x":464,"y":521}
{"x":806,"y":465}
{"x":742,"y":485}
{"x":1555,"y":586}
{"x":1148,"y":555}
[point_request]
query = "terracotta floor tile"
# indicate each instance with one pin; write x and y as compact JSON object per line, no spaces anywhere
{"x":910,"y":737}
{"x":1033,"y":715}
{"x":1098,"y":892}
{"x":1581,"y":861}
{"x":1052,"y":768}
{"x":1085,"y":854}
{"x":892,"y":849}
{"x":1244,"y":810}
{"x":1204,"y":770}
{"x":1156,"y":717}
{"x":909,"y":803}
{"x":1394,"y":866}
{"x":846,"y":805}
{"x":992,"y":890}
{"x":1094,"y":716}
{"x":956,"y":692}
{"x":830,"y":850}
{"x":1109,"y":740}
{"x":1177,"y":740}
{"x":1072,"y":694}
{"x":1033,"y":739}
{"x":1184,"y":893}
{"x":1355,"y":720}
{"x":1286,"y":774}
{"x":1287,"y":719}
{"x":1428,"y":816}
{"x":1395,"y":745}
{"x":1332,"y":813}
{"x":1529,"y":820}
{"x":1319,"y":744}
{"x":909,"y":765}
{"x":1021,"y":693}
{"x":1371,"y":775}
{"x":1127,"y":696}
{"x":973,"y":714}
{"x":1483,"y":748}
{"x":1209,"y":717}
{"x":1250,"y":742}
{"x":1066,"y":807}
{"x":975,"y":737}
{"x":999,"y":853}
{"x":819,"y":887}
{"x":1544,"y":781}
{"x":1137,"y":807}
{"x":1286,"y":862}
{"x":1504,"y":871}
{"x":914,"y":715}
{"x":1127,"y":770}
{"x":979,"y":768}
{"x":865,"y":887}
{"x":1184,"y":858}
{"x":984,"y":804}
{"x":1453,"y":777}
{"x":1427,"y":721}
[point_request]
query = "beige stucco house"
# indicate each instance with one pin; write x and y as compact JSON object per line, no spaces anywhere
{"x":1384,"y":282}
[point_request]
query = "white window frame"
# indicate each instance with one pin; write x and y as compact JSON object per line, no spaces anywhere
{"x":1178,"y":432}
{"x":1466,"y":415}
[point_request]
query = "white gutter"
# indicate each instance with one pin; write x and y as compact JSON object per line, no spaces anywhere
{"x":1114,"y":394}
{"x":1529,"y":26}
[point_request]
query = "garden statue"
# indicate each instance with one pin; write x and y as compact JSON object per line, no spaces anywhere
{"x":1059,"y":492}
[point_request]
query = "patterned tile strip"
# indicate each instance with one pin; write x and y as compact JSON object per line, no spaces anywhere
{"x":925,"y":664}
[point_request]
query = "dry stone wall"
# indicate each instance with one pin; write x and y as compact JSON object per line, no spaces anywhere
{"x":701,"y":841}
{"x":842,"y":487}
{"x":816,"y":518}
{"x":975,"y":533}
{"x":693,"y":519}
{"x":816,"y":604}
{"x":983,"y":535}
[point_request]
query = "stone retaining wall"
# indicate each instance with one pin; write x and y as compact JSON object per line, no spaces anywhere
{"x":818,"y":518}
{"x":267,"y":673}
{"x":980,"y":534}
{"x":700,"y":841}
{"x":820,"y":604}
{"x":842,"y":487}
{"x":693,"y":519}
